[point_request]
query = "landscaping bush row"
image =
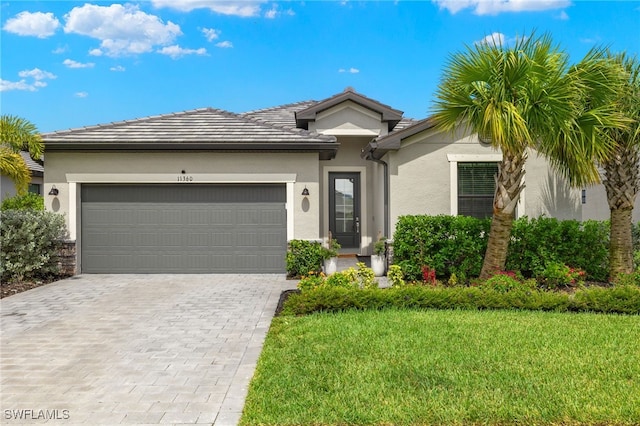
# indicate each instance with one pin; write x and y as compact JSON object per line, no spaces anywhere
{"x":29,"y":244}
{"x":619,"y":299}
{"x":455,"y":245}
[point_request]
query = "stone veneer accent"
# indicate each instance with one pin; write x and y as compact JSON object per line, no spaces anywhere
{"x":67,"y":257}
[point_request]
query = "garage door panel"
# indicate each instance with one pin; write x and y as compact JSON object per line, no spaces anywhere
{"x":148,"y":217}
{"x":183,"y":229}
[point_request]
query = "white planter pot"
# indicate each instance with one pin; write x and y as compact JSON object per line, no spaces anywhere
{"x":330,"y":265}
{"x":378,"y":265}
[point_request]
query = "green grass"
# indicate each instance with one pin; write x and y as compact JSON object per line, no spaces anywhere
{"x":448,"y":368}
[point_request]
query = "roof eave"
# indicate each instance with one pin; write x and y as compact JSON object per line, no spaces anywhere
{"x":379,"y":147}
{"x":184,"y":146}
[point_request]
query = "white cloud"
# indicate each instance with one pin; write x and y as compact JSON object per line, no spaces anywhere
{"x":38,"y":24}
{"x":350,"y":70}
{"x":60,"y":50}
{"x":118,"y":68}
{"x":495,"y":39}
{"x":225,"y":44}
{"x":70,"y":63}
{"x":211,"y":34}
{"x":122,"y":30}
{"x":176,"y":51}
{"x":242,"y":8}
{"x":37,"y":76}
{"x":270,"y":14}
{"x":494,"y":7}
{"x":500,"y":40}
{"x":6,"y":85}
{"x":590,"y":40}
{"x":81,"y":94}
{"x":563,"y":16}
{"x":274,"y":12}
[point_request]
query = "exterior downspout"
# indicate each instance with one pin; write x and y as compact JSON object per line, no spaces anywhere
{"x":369,"y":156}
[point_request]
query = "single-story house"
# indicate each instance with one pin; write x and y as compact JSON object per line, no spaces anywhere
{"x":8,"y":187}
{"x":210,"y":191}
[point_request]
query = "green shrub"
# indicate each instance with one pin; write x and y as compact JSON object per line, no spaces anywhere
{"x":29,"y":244}
{"x":344,"y":279}
{"x":629,"y":279}
{"x":304,"y":257}
{"x":357,"y":278}
{"x":622,"y":299}
{"x":28,"y":201}
{"x":456,"y":245}
{"x":448,"y":244}
{"x":557,"y":274}
{"x":311,"y":281}
{"x":396,"y":276}
{"x":504,"y":282}
{"x":537,"y":242}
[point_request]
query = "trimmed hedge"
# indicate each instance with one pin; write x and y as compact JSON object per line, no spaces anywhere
{"x":537,"y":242}
{"x":448,"y":244}
{"x":304,"y":257}
{"x":456,"y":245}
{"x":620,"y":299}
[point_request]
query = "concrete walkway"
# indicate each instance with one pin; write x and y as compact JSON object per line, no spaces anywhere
{"x":134,"y":349}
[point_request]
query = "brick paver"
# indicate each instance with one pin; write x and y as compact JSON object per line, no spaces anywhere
{"x":134,"y":349}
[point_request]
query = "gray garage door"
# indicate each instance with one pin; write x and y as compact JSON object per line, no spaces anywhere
{"x":183,"y":228}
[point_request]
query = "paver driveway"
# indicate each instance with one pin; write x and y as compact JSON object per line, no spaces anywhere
{"x":136,"y":349}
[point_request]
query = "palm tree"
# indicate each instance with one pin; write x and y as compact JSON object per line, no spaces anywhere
{"x":527,"y":97}
{"x":18,"y":134}
{"x":621,"y":171}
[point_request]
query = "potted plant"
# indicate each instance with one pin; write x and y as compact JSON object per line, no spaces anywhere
{"x":378,"y":257}
{"x":330,"y":255}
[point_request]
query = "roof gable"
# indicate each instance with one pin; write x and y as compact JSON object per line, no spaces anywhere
{"x":387,"y":114}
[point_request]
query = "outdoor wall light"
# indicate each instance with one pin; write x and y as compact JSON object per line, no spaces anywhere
{"x":54,"y":191}
{"x":305,"y":191}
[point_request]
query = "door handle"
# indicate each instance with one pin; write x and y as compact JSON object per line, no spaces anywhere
{"x":357,"y":225}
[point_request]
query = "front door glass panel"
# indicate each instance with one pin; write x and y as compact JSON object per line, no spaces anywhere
{"x":344,"y":208}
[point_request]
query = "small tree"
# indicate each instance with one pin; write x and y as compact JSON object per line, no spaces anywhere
{"x":622,"y":171}
{"x":528,"y":97}
{"x":18,"y":134}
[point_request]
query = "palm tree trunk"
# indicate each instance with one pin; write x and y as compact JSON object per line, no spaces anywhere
{"x":495,"y":257}
{"x":621,"y":244}
{"x":508,"y":187}
{"x":622,"y":185}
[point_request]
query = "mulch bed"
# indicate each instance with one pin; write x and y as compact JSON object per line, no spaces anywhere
{"x":9,"y":289}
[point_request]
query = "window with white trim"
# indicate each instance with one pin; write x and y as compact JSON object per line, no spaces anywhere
{"x":476,"y":188}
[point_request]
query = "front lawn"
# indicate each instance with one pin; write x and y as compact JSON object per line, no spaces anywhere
{"x":450,"y":367}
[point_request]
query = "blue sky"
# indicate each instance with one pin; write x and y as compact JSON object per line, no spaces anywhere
{"x":73,"y":64}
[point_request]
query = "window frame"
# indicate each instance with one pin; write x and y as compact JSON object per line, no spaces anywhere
{"x":454,"y":159}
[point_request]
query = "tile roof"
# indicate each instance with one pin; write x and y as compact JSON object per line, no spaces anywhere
{"x":32,"y":165}
{"x":202,"y":126}
{"x":282,"y":115}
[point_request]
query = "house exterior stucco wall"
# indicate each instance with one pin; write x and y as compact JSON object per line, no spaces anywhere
{"x":204,"y":167}
{"x":422,"y":176}
{"x":596,"y":206}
